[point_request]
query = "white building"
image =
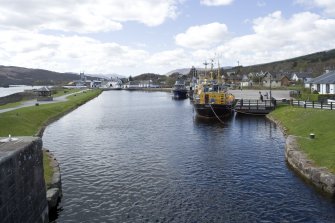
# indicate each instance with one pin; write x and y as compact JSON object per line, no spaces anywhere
{"x":324,"y":84}
{"x":303,"y":77}
{"x":246,"y":82}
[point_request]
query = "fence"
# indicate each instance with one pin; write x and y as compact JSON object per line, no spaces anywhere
{"x":313,"y":104}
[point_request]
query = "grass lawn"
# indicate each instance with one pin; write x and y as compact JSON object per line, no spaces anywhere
{"x":48,"y":172}
{"x":63,"y":91}
{"x":301,"y":122}
{"x":29,"y":120}
{"x":10,"y":105}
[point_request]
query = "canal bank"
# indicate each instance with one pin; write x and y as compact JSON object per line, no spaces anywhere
{"x":32,"y":120}
{"x":299,"y":158}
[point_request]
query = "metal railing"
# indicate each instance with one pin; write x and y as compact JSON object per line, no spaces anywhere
{"x":254,"y":104}
{"x":313,"y":104}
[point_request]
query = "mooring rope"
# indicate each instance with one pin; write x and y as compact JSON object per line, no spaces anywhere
{"x":216,"y":114}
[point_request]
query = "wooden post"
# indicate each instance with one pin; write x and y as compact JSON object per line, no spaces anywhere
{"x":313,"y":103}
{"x":298,"y":103}
{"x":331,"y":105}
{"x":321,"y":105}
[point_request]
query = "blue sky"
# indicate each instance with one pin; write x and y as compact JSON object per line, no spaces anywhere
{"x":132,"y":37}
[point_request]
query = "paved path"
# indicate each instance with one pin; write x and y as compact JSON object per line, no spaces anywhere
{"x":254,"y":94}
{"x":33,"y":102}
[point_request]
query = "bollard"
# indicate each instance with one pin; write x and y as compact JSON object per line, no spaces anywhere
{"x":312,"y":136}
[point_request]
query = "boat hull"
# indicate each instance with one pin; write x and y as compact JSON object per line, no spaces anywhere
{"x":213,"y":110}
{"x":179,"y":94}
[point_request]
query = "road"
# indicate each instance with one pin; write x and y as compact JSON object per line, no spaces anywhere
{"x":254,"y":94}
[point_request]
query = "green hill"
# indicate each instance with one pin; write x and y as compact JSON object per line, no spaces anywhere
{"x":315,"y":64}
{"x":10,"y":75}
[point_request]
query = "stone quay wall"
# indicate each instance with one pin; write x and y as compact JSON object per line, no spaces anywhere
{"x":54,"y":192}
{"x":22,"y":187}
{"x":319,"y":176}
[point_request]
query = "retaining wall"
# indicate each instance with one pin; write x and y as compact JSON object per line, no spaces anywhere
{"x":319,"y":176}
{"x":16,"y":97}
{"x":22,"y":187}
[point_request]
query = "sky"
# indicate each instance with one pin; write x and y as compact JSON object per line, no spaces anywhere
{"x":131,"y":37}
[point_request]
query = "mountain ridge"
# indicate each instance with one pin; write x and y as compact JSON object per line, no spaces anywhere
{"x":314,"y":63}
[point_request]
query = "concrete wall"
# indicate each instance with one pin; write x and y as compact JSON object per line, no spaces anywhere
{"x":22,"y":187}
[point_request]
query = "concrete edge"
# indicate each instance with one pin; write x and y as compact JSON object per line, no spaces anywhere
{"x":54,"y":193}
{"x":321,"y":177}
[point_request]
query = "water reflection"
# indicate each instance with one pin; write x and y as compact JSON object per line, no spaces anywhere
{"x":142,"y":157}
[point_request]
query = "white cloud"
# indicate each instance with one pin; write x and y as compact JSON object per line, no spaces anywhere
{"x":170,"y":58}
{"x":261,"y":3}
{"x":84,"y":16}
{"x":66,"y":53}
{"x":215,"y":2}
{"x":327,"y":5}
{"x":277,"y":38}
{"x":203,"y":36}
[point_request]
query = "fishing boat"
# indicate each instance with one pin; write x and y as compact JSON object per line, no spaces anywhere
{"x":179,"y":90}
{"x":212,"y":99}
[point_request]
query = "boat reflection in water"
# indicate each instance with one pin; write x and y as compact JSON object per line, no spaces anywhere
{"x":147,"y":160}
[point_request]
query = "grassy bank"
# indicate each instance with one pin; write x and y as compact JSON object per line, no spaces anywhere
{"x":301,"y":122}
{"x":48,"y":172}
{"x":10,"y":105}
{"x":29,"y":121}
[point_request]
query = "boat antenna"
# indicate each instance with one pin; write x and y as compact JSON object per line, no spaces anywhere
{"x":212,"y":65}
{"x":219,"y":77}
{"x":205,"y":63}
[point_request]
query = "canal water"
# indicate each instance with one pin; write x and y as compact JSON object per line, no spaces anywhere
{"x":143,"y":157}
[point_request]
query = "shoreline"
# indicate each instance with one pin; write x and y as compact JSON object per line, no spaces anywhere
{"x":320,"y":177}
{"x":54,"y":193}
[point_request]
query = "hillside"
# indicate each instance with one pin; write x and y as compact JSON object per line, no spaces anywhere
{"x":10,"y":75}
{"x":314,"y":63}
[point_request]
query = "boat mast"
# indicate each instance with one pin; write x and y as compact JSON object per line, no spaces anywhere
{"x":212,"y":64}
{"x":205,"y":63}
{"x":219,"y":76}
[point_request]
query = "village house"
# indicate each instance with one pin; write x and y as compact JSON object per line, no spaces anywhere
{"x":302,"y":77}
{"x":132,"y":84}
{"x":275,"y":80}
{"x":148,"y":84}
{"x":324,"y":84}
{"x":246,"y":82}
